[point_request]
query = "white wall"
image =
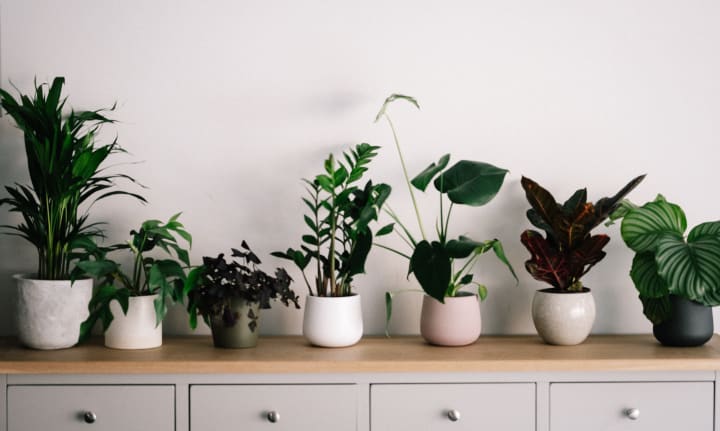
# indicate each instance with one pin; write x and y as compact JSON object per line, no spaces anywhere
{"x":229,"y":103}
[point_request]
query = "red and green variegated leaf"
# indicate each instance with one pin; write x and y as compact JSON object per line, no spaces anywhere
{"x":645,"y":275}
{"x":543,"y":203}
{"x":545,"y":263}
{"x":691,"y":269}
{"x":605,"y":206}
{"x":642,"y":227}
{"x":574,"y":228}
{"x":586,"y":255}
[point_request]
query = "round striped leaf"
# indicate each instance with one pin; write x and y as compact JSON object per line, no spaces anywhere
{"x":642,"y":227}
{"x":711,"y":228}
{"x":691,"y":269}
{"x":644,"y":274}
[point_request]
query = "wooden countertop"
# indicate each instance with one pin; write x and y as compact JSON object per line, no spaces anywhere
{"x":195,"y":354}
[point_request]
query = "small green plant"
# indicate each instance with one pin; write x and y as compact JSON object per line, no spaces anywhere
{"x":433,"y":262}
{"x":666,"y":261}
{"x":568,"y":250}
{"x":212,"y":287}
{"x":150,"y":275}
{"x":65,"y":165}
{"x":341,"y":211}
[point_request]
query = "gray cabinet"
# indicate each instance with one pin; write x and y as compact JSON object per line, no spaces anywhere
{"x":632,"y":406}
{"x":453,"y":407}
{"x":273,"y":407}
{"x":88,"y":407}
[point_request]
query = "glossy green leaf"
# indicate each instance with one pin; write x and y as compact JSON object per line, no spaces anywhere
{"x":385,"y":229}
{"x":471,"y":183}
{"x":482,"y":292}
{"x":430,"y":263}
{"x":641,"y":228}
{"x":708,"y":229}
{"x":392,"y":98}
{"x":423,"y":179}
{"x":500,"y":253}
{"x":463,"y":247}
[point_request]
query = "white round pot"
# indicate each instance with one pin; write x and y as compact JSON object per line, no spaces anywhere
{"x":333,"y":321}
{"x":137,"y":329}
{"x":456,"y":322}
{"x":563,"y":318}
{"x":49,"y":312}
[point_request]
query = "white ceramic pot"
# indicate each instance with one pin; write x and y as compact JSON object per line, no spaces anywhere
{"x":137,"y":329}
{"x":456,"y":322}
{"x":563,"y":318}
{"x":333,"y":321}
{"x":49,"y":312}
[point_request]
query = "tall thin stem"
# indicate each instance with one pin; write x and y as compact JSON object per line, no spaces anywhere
{"x":407,"y":177}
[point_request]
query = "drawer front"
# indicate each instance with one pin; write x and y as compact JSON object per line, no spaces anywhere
{"x":455,"y":407}
{"x":61,"y":408}
{"x":273,"y":407}
{"x":608,"y":406}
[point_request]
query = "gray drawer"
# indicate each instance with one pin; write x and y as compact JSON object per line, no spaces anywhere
{"x":61,"y":408}
{"x":604,"y":406}
{"x":296,"y":407}
{"x":481,"y":406}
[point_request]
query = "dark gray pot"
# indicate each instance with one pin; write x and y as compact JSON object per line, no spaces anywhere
{"x":690,"y":324}
{"x":240,"y":335}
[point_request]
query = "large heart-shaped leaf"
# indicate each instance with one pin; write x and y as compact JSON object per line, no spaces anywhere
{"x":471,"y":183}
{"x":432,"y":268}
{"x":704,"y":230}
{"x":691,"y":269}
{"x":642,"y":227}
{"x":644,"y":274}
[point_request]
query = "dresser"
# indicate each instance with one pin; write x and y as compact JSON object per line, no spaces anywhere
{"x":517,"y":383}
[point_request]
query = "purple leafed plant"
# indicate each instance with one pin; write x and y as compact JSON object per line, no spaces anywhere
{"x":568,"y":250}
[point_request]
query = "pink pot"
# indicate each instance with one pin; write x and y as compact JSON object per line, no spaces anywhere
{"x":455,"y":323}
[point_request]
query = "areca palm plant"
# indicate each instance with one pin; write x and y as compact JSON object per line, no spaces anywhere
{"x":65,"y":163}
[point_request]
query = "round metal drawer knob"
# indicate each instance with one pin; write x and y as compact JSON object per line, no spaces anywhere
{"x":632,"y":414}
{"x":89,"y":417}
{"x":273,"y":417}
{"x":453,"y":415}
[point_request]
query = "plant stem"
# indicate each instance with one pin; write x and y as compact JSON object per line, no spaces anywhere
{"x":407,"y":177}
{"x":392,"y":250}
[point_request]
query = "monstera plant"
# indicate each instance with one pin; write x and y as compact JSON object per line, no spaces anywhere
{"x":444,"y":265}
{"x":561,"y":257}
{"x":669,"y":265}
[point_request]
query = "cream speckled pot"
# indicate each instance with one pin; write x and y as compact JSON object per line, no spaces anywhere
{"x":333,"y":321}
{"x":49,"y":312}
{"x":137,"y":329}
{"x":455,"y":323}
{"x":563,"y":318}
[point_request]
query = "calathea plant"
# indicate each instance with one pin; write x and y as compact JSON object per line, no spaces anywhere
{"x":341,"y":211}
{"x":434,"y":263}
{"x":666,"y":261}
{"x":149,"y":276}
{"x":212,"y":287}
{"x":65,"y":165}
{"x":568,"y":250}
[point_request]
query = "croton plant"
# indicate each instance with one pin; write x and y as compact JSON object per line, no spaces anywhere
{"x":568,"y":250}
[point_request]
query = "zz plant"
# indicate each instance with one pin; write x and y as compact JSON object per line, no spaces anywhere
{"x":65,"y":163}
{"x":149,"y":276}
{"x":433,"y":262}
{"x":667,"y":262}
{"x":568,"y":250}
{"x":341,"y":211}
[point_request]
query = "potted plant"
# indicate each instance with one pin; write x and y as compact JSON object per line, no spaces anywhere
{"x":677,"y":276}
{"x":133,"y":305}
{"x":67,"y":175}
{"x":229,"y":296}
{"x":449,"y":317}
{"x":340,"y":239}
{"x":564,"y":314}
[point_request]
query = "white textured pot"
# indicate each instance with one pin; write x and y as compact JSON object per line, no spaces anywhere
{"x":457,"y":322}
{"x":333,"y":321}
{"x":563,"y":318}
{"x":137,"y":329}
{"x":49,"y":312}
